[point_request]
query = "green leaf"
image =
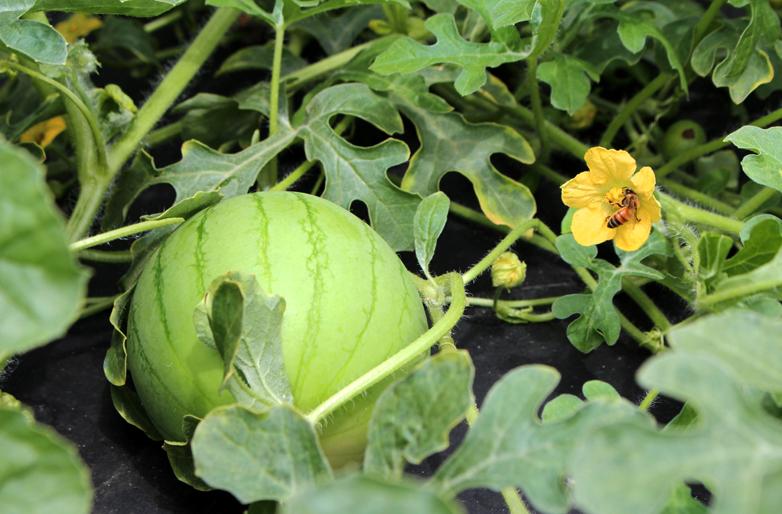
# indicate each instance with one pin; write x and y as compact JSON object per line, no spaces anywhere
{"x":180,"y":455}
{"x":713,"y":248}
{"x":429,"y":222}
{"x":449,"y":143}
{"x":766,"y":167}
{"x":546,"y":17}
{"x":217,"y":120}
{"x":22,"y":107}
{"x":407,"y":56}
{"x":128,"y":405}
{"x":413,"y":417}
{"x":597,"y":389}
{"x":360,"y":494}
{"x":115,"y":363}
{"x":569,"y":80}
{"x":188,"y":207}
{"x":204,"y":169}
{"x":682,"y":502}
{"x":633,"y":31}
{"x":40,"y":471}
{"x":130,"y":182}
{"x":261,"y":57}
{"x":501,"y":13}
{"x":41,"y":287}
{"x":735,"y":452}
{"x":562,"y":407}
{"x":225,"y":321}
{"x":140,"y":8}
{"x":118,"y":35}
{"x":357,"y":173}
{"x":763,"y":22}
{"x":508,"y":445}
{"x":244,"y":325}
{"x":255,"y":456}
{"x":755,"y":72}
{"x":603,"y":45}
{"x":336,"y":33}
{"x":762,"y":239}
{"x":598,"y":320}
{"x":33,"y":39}
{"x":274,"y":18}
{"x":747,"y":343}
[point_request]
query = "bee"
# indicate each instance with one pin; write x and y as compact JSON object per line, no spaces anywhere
{"x":629,"y":209}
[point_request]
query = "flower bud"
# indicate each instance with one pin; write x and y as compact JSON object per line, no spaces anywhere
{"x":508,"y":271}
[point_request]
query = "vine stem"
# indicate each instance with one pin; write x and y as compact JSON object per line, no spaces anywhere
{"x":172,"y":86}
{"x":537,"y":106}
{"x":648,"y":399}
{"x":701,"y":198}
{"x":98,"y":306}
{"x":511,"y":304}
{"x":753,"y":203}
{"x":100,"y":256}
{"x":705,"y":21}
{"x":401,"y":358}
{"x":92,"y":193}
{"x":693,"y":214}
{"x":506,"y":243}
{"x":632,"y":106}
{"x":111,"y":235}
{"x":712,"y":146}
{"x":646,"y":303}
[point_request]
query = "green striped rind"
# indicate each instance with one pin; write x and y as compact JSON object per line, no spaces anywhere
{"x":350,"y":305}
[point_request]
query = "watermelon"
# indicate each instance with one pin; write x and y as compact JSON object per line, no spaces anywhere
{"x":350,"y":304}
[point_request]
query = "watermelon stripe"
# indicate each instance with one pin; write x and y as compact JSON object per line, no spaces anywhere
{"x":200,"y":257}
{"x":317,"y":261}
{"x":161,"y":309}
{"x":262,"y":228}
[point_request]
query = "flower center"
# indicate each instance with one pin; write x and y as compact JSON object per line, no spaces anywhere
{"x":615,"y":197}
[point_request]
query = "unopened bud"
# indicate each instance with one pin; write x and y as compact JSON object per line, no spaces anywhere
{"x":508,"y":271}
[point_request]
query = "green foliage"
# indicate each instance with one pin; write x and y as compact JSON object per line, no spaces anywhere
{"x":42,"y":287}
{"x":40,"y":471}
{"x":232,"y":445}
{"x":33,"y":39}
{"x":414,"y":416}
{"x":764,"y":167}
{"x":430,"y":218}
{"x":244,"y":325}
{"x":598,"y":321}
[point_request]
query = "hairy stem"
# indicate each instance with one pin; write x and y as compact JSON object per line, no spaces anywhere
{"x":754,"y":203}
{"x":111,"y":235}
{"x":401,"y":358}
{"x":537,"y":107}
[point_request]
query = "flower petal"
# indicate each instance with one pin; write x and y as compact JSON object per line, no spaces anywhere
{"x":633,"y":234}
{"x":589,"y":224}
{"x":610,"y":167}
{"x":582,"y":190}
{"x":650,"y":209}
{"x":643,"y":182}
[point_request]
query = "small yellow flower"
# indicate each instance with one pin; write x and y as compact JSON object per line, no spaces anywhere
{"x":77,"y":25}
{"x":598,"y":195}
{"x":508,"y":271}
{"x":44,"y":133}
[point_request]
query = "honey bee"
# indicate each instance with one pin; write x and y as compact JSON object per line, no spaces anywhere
{"x":629,"y":209}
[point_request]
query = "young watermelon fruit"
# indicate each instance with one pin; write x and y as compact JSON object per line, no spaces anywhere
{"x":350,"y":304}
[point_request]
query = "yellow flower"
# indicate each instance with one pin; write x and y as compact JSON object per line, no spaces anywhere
{"x":598,"y":195}
{"x":508,"y":271}
{"x":43,"y":133}
{"x":78,"y":25}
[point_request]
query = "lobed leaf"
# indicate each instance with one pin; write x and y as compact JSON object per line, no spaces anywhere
{"x":407,"y":56}
{"x":268,"y":455}
{"x":413,"y":417}
{"x":361,"y":494}
{"x":569,"y":80}
{"x":736,"y":451}
{"x":336,"y":33}
{"x":766,"y":167}
{"x":140,"y":8}
{"x":508,"y":446}
{"x":598,"y":320}
{"x":357,"y":173}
